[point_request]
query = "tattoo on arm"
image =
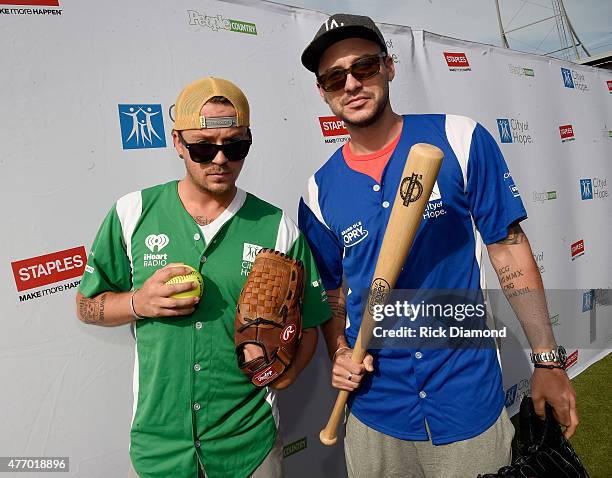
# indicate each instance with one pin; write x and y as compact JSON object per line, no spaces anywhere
{"x":507,"y":277}
{"x":337,"y":303}
{"x":92,"y":310}
{"x":515,"y":235}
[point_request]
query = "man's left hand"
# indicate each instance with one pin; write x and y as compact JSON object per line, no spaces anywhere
{"x":553,"y":386}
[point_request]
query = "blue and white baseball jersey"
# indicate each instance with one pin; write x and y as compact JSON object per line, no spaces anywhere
{"x":458,"y":391}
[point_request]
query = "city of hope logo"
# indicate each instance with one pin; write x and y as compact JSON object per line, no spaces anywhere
{"x":142,"y":126}
{"x":593,"y":188}
{"x":574,"y":79}
{"x":513,"y":130}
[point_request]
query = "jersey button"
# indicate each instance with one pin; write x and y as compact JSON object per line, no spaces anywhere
{"x":197,"y":443}
{"x":196,"y":237}
{"x":422,"y":394}
{"x":418,"y":355}
{"x":196,"y":406}
{"x":376,"y":187}
{"x":198,"y":325}
{"x":197,"y":367}
{"x":385,"y":204}
{"x":203,"y":259}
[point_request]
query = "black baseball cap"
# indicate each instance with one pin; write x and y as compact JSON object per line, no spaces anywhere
{"x":339,"y":27}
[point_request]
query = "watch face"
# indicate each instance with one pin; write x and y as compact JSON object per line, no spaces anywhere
{"x":562,"y":354}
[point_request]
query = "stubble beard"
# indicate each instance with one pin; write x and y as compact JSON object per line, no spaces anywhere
{"x":368,"y":120}
{"x":213,"y":189}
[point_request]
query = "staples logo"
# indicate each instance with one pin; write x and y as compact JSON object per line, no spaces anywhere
{"x":577,"y":249}
{"x":49,"y":268}
{"x":567,"y":133}
{"x":457,"y":61}
{"x":332,"y":126}
{"x":571,"y":359}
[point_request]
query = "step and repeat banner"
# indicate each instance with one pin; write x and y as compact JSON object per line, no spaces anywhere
{"x":87,"y":94}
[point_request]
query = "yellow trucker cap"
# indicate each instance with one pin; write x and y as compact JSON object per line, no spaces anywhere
{"x":196,"y":94}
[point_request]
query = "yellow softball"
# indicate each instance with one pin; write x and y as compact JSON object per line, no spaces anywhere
{"x":193,"y":276}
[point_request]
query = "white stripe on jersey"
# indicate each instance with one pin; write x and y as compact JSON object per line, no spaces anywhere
{"x":459,"y":131}
{"x":129,"y":209}
{"x":313,"y":200}
{"x":272,"y":400}
{"x":287,"y":234}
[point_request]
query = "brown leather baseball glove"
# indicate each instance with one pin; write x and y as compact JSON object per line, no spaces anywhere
{"x":269,"y":316}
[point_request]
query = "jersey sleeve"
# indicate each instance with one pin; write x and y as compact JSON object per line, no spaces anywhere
{"x":324,"y":245}
{"x":315,"y":308}
{"x":494,"y":199}
{"x":108,"y":266}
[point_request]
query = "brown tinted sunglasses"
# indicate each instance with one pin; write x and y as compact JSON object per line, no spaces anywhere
{"x":365,"y":67}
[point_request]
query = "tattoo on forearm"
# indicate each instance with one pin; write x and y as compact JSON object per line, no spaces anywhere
{"x":92,"y":310}
{"x":507,"y":277}
{"x":515,"y":236}
{"x":337,"y":302}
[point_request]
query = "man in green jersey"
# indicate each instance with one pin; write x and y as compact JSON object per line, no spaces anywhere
{"x":195,"y":412}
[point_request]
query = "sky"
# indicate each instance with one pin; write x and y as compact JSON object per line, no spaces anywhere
{"x":476,"y":20}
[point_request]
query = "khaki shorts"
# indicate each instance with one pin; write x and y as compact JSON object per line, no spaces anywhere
{"x":370,"y":453}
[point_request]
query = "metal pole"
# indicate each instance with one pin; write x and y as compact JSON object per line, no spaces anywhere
{"x":504,"y":40}
{"x":573,"y":32}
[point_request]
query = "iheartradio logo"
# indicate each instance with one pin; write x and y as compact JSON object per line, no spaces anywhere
{"x":577,"y":249}
{"x":457,"y":61}
{"x":567,"y":133}
{"x":332,"y":126}
{"x":158,"y":241}
{"x":49,"y":268}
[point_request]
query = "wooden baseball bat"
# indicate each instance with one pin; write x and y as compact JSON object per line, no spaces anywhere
{"x":418,"y":179}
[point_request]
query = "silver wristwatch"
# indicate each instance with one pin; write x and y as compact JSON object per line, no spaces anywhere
{"x":555,"y":355}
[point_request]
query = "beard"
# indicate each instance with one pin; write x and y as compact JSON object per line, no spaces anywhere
{"x":372,"y":118}
{"x":209,"y":187}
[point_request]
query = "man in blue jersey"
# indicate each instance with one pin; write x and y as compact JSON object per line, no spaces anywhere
{"x":424,"y":411}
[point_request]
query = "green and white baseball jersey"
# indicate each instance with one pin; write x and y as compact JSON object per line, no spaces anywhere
{"x":191,"y":401}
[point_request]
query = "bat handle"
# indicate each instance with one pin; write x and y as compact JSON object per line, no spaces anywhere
{"x":329,"y":435}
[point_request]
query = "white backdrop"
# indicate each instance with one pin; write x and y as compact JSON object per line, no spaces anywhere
{"x":69,"y":73}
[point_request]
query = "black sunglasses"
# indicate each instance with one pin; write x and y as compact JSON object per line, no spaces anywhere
{"x":206,"y":152}
{"x":362,"y":69}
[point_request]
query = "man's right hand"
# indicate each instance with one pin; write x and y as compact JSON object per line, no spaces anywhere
{"x":346,"y":374}
{"x":154,"y":298}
